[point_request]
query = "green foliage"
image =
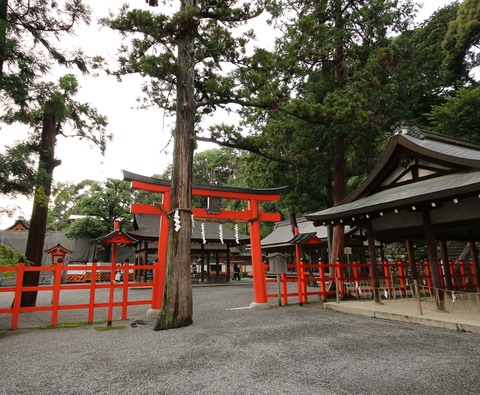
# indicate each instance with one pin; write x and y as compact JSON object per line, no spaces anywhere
{"x":9,"y":257}
{"x":98,"y":204}
{"x":16,"y":172}
{"x":328,"y":81}
{"x":71,"y":324}
{"x":462,"y":40}
{"x":74,"y":119}
{"x":418,"y":72}
{"x":81,"y":118}
{"x":215,"y":166}
{"x":153,"y":38}
{"x":459,"y":117}
{"x":30,"y":33}
{"x":109,"y":328}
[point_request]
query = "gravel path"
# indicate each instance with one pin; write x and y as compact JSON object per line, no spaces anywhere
{"x":231,"y":349}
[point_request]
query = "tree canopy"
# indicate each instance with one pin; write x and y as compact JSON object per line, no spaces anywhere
{"x":30,"y":37}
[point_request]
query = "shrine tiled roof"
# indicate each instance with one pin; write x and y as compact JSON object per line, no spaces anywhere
{"x":427,"y":191}
{"x":445,"y":168}
{"x":148,"y":226}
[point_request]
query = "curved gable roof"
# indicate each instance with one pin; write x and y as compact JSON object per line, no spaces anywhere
{"x":412,"y":142}
{"x":444,"y":168}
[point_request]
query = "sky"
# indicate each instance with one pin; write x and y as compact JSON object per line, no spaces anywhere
{"x":141,"y":137}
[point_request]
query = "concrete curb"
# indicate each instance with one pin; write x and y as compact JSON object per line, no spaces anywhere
{"x":404,"y":317}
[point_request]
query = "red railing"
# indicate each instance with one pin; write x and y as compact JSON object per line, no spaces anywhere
{"x":57,"y":288}
{"x":355,"y":278}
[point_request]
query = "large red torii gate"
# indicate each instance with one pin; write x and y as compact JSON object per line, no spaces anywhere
{"x":253,"y":215}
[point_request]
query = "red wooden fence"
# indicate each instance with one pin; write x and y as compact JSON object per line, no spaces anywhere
{"x":355,"y":278}
{"x":57,"y":288}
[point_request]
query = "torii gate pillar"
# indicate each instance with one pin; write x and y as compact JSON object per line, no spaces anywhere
{"x":259,"y":282}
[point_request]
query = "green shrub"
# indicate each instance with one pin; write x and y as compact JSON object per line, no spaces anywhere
{"x":9,"y":257}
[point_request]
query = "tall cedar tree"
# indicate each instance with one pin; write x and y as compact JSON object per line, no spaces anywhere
{"x":183,"y":56}
{"x":30,"y":33}
{"x":328,"y":81}
{"x":52,"y":111}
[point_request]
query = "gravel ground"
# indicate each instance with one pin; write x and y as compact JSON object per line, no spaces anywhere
{"x":231,"y":349}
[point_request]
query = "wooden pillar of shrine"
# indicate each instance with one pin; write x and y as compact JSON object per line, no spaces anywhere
{"x":373,"y":263}
{"x":433,"y":262}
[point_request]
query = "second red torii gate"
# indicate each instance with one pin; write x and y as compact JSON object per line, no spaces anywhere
{"x":253,"y":215}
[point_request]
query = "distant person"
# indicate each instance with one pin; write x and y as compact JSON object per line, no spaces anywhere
{"x":236,"y":272}
{"x":118,"y":274}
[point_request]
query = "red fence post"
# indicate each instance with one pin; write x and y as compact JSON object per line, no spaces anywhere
{"x":126,"y":265}
{"x":111,"y":294}
{"x":303,"y":280}
{"x":339,"y":277}
{"x":463,"y":274}
{"x":321,"y":276}
{"x":18,"y":294}
{"x":93,"y":284}
{"x":401,"y":275}
{"x":57,"y":280}
{"x":386,"y":273}
{"x":284,"y":288}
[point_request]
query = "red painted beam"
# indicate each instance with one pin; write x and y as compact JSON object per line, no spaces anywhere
{"x":202,"y":213}
{"x":144,"y":186}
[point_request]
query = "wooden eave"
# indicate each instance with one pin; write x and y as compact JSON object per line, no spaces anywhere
{"x":417,"y":195}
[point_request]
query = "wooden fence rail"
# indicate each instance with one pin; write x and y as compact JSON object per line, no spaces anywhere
{"x":56,"y":288}
{"x":351,"y":279}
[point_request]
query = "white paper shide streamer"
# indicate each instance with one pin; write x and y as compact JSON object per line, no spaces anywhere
{"x":176,"y":221}
{"x":203,"y":233}
{"x":220,"y":232}
{"x":237,"y":240}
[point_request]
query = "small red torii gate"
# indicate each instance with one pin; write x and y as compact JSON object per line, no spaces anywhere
{"x":253,"y":215}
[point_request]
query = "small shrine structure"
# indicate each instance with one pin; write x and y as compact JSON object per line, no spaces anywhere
{"x":58,"y":253}
{"x":116,"y":237}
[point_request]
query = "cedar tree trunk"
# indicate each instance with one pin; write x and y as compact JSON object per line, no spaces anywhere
{"x":177,"y":309}
{"x":38,"y":221}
